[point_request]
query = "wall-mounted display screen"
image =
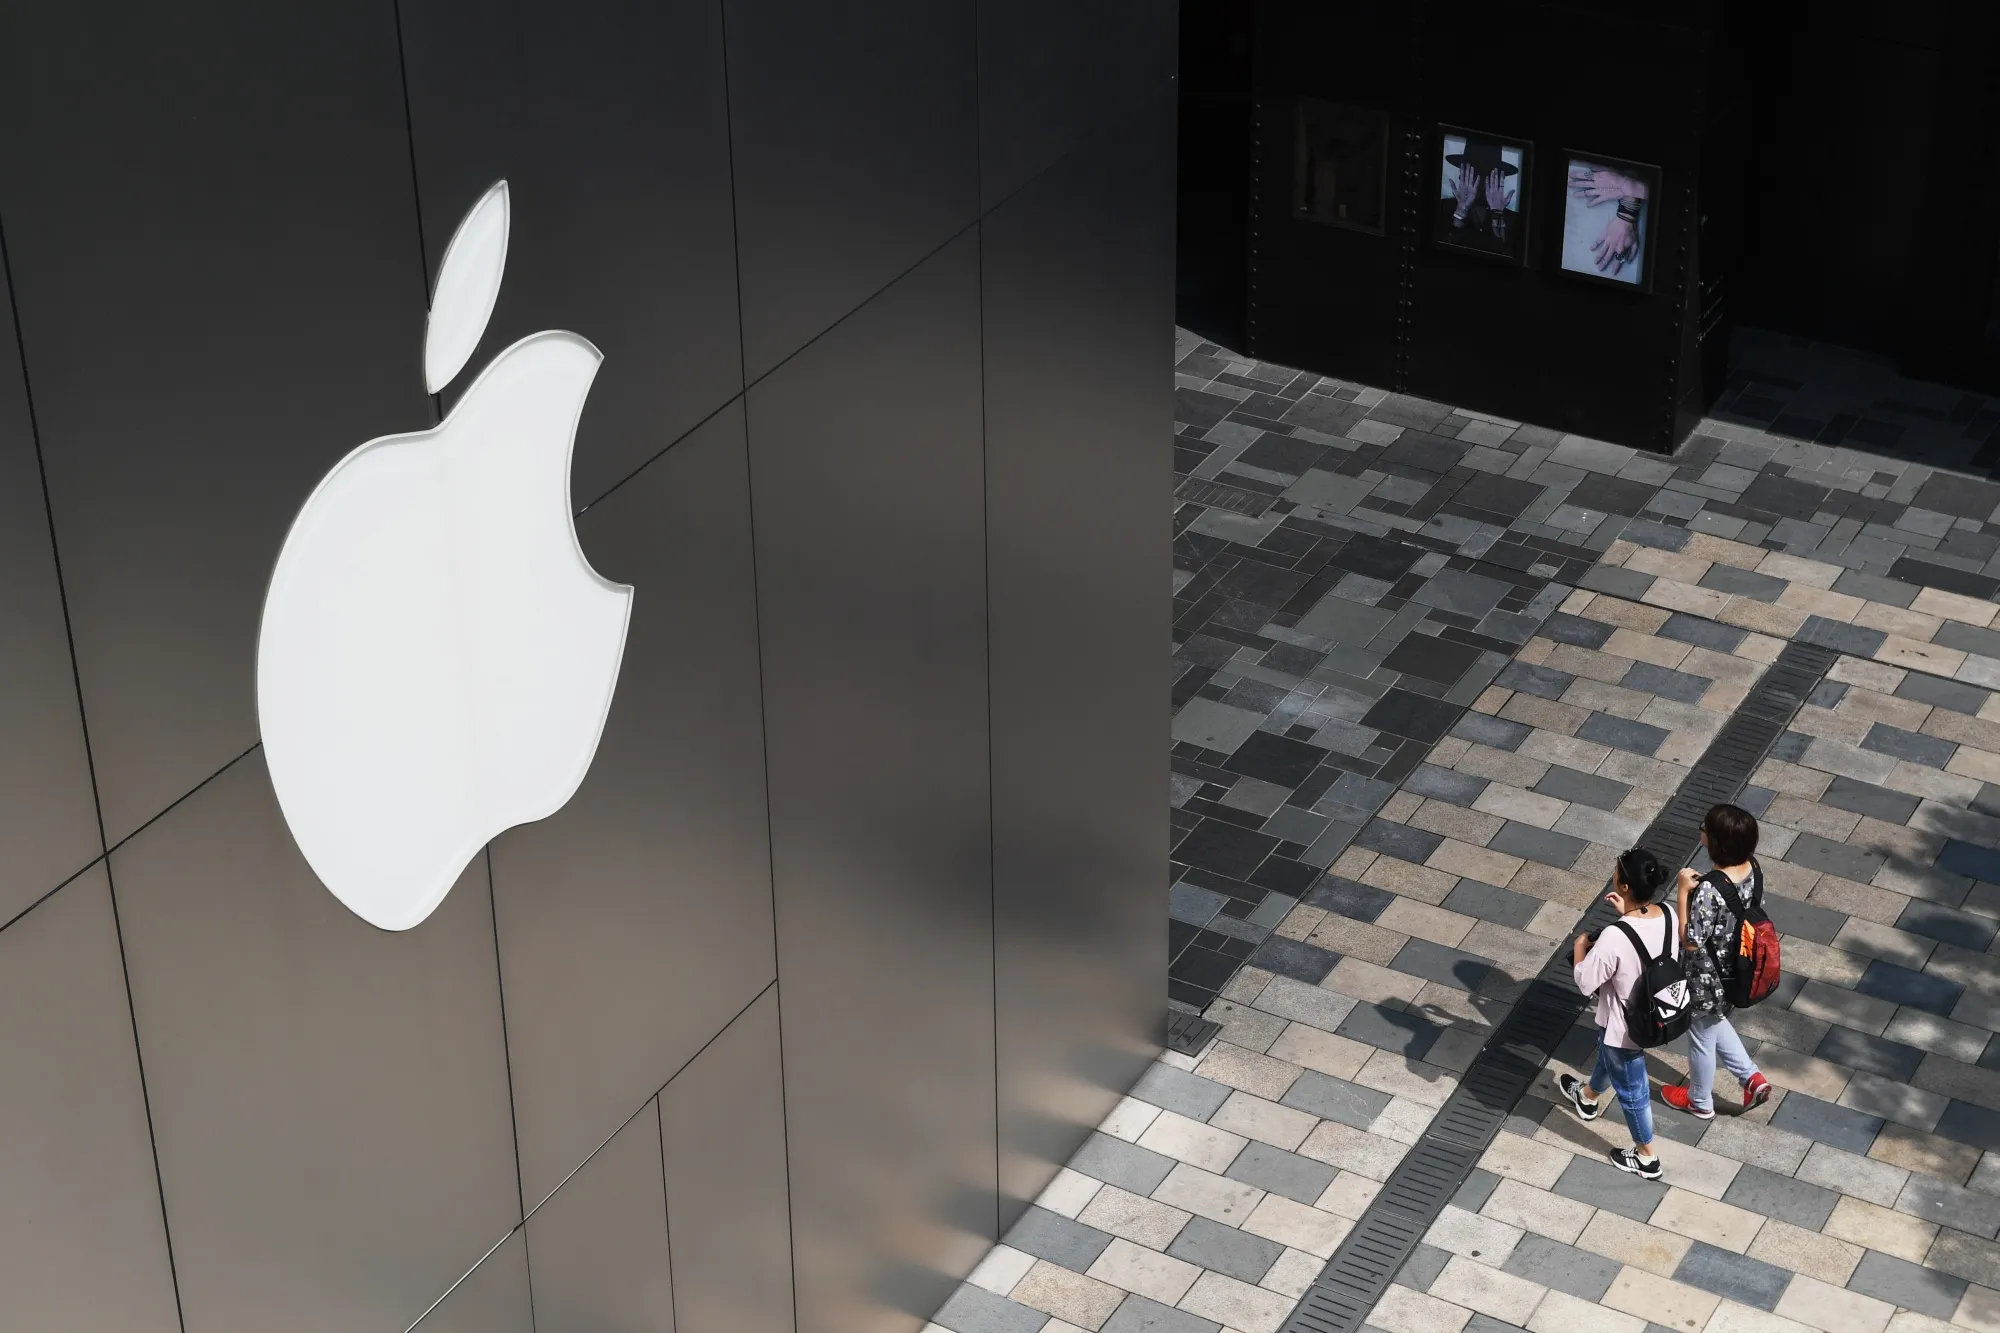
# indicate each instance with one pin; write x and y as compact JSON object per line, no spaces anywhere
{"x":1482,"y":194}
{"x":1608,"y":220}
{"x":1340,"y":160}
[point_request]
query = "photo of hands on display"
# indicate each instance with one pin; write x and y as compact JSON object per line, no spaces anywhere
{"x":1482,"y":196}
{"x":1607,"y":219}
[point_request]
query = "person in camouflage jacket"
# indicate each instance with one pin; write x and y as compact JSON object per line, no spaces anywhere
{"x":1730,"y":834}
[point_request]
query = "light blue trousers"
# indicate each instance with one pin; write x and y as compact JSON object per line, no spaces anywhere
{"x":1709,"y":1036}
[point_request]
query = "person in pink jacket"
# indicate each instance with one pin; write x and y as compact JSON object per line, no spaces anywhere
{"x":1607,"y":969}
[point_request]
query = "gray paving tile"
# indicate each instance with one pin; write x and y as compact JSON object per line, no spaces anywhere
{"x":1735,"y":1277}
{"x":1442,"y":964}
{"x":1183,"y":1093}
{"x":1952,"y":694}
{"x":1968,"y":639}
{"x":1225,"y":1250}
{"x":1423,"y":1266}
{"x":1444,"y":784}
{"x":1566,"y":628}
{"x":1852,"y":639}
{"x":1348,"y":898}
{"x":1622,"y":733}
{"x":1901,"y":985}
{"x":1744,"y":583}
{"x":1873,"y":588}
{"x":1953,"y":1206}
{"x":1194,"y":905}
{"x":1332,"y":1098}
{"x":1535,"y":844}
{"x":1877,"y":1055}
{"x":1971,"y":860}
{"x":1138,"y":1314}
{"x":1680,"y":686}
{"x":1909,"y":1285}
{"x":1390,"y":1029}
{"x":1834,"y":1125}
{"x":1280,"y":1172}
{"x":1949,"y":924}
{"x":1058,"y":1239}
{"x":975,"y":1310}
{"x":1564,"y":1267}
{"x":1805,"y":920}
{"x":1865,"y":798}
{"x":1131,"y":1168}
{"x":1477,"y":1189}
{"x":1295,"y":959}
{"x":1837,"y":858}
{"x":1460,"y":591}
{"x":1501,"y":906}
{"x":1542,"y":681}
{"x":1496,"y":732}
{"x":1911,"y":745}
{"x":1566,"y":784}
{"x":1684,"y":628}
{"x":1795,"y":1201}
{"x":1827,"y":694}
{"x":1627,"y":583}
{"x":1603,"y":1185}
{"x":1399,"y":840}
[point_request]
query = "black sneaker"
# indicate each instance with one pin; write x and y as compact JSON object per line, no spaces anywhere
{"x":1572,"y":1087}
{"x":1646,"y":1168}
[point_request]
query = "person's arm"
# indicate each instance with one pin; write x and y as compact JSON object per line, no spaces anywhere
{"x":1595,"y":967}
{"x":1687,"y":882}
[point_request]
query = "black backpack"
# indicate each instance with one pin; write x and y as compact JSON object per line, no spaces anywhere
{"x":1658,"y":1010}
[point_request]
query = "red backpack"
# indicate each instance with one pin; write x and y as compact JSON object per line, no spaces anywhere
{"x":1753,"y":946}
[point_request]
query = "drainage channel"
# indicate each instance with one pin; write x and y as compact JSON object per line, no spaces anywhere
{"x":1360,"y":1271}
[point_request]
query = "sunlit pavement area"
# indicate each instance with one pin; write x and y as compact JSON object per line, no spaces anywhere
{"x":1433,"y":672}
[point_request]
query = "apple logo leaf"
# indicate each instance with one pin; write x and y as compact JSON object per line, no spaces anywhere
{"x":467,"y":287}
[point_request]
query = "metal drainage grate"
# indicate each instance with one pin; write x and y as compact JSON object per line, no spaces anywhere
{"x":1217,"y":496}
{"x":1360,"y":1271}
{"x":1188,"y":1033}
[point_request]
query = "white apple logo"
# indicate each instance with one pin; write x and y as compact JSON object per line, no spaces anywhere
{"x":437,"y":656}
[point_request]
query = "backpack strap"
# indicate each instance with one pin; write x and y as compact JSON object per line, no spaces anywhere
{"x":1667,"y":949}
{"x":1732,"y":895}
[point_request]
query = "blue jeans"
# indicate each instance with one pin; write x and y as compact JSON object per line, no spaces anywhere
{"x":1626,"y":1071}
{"x":1710,"y":1035}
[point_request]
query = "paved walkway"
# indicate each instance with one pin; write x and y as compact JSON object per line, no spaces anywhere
{"x":1437,"y":670}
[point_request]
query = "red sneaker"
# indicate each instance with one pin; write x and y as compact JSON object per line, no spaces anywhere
{"x":1756,"y":1092}
{"x":1676,"y":1096}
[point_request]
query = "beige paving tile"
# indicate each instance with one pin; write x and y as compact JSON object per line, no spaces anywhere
{"x":1660,"y":1300}
{"x":1803,"y":1073}
{"x":1477,"y":1287}
{"x":1635,"y":616}
{"x":1402,"y":1310}
{"x":1300,"y":922}
{"x":1153,"y":1275}
{"x":1798,"y":569}
{"x":1401,"y":806}
{"x":1971,"y":1257}
{"x":1723,"y":551}
{"x":1352,"y":1149}
{"x":1208,"y":1195}
{"x":1069,"y":1193}
{"x":1291,"y":1275}
{"x":1525,"y":1160}
{"x":1406,"y":880}
{"x":1455,"y":821}
{"x":1246,"y":985}
{"x":1900,"y":622}
{"x":1834,"y":1309}
{"x":1760,"y":1145}
{"x":1457,"y":1231}
{"x":1267,"y":1122}
{"x":1460,"y":858}
{"x":1560,"y":1312}
{"x":1235,"y":1067}
{"x":1400,"y":1076}
{"x":1558,"y":886}
{"x":1878,"y":1228}
{"x":1548,"y":714}
{"x":1695,"y":1170}
{"x":1682,"y":566}
{"x":1720,"y":1224}
{"x":1357,"y":939}
{"x":1367,"y":981}
{"x":1896,"y":650}
{"x":1947,"y":725}
{"x":1688,"y":597}
{"x":1729,"y":1317}
{"x":1001,"y":1270}
{"x":1402,"y":1119}
{"x":1307,"y":1046}
{"x":1646,"y":648}
{"x":1616,"y":1236}
{"x":1954,"y":606}
{"x":1979,"y":1309}
{"x":1297,"y":1225}
{"x":1240,"y":1306}
{"x":1349,"y":1195}
{"x":1792,"y":779}
{"x":1824,"y":1257}
{"x":1536,"y":1210}
{"x":1506,"y":766}
{"x":1909,"y":1321}
{"x":1821,"y":602}
{"x":1524,"y":807}
{"x":1925,"y":1154}
{"x":1081,"y":1300}
{"x":1883,"y":906}
{"x":1867,"y":675}
{"x":1425,"y":922}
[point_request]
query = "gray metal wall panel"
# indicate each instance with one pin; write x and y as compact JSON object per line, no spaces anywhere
{"x":215,"y":261}
{"x":856,"y":142}
{"x":723,"y":1131}
{"x":865,"y":476}
{"x":492,"y":1299}
{"x":599,"y":1248}
{"x":1079,"y":406}
{"x":82,"y":1243}
{"x":329,"y":1100}
{"x":636,"y":922}
{"x":608,"y":120}
{"x":48,"y":815}
{"x":1056,"y":73}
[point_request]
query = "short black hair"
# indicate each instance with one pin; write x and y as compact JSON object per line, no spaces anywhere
{"x":1641,"y":874}
{"x":1732,"y":834}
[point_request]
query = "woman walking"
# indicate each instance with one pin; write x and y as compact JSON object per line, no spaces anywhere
{"x":1609,"y":968}
{"x":1730,"y":834}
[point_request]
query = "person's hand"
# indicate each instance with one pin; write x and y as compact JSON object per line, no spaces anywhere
{"x":1601,"y":185}
{"x":1688,"y":879}
{"x":1465,"y":190}
{"x":1581,"y":948}
{"x":1617,"y":247}
{"x":1498,"y":197}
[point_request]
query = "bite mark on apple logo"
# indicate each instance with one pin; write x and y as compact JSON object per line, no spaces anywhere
{"x":437,"y":658}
